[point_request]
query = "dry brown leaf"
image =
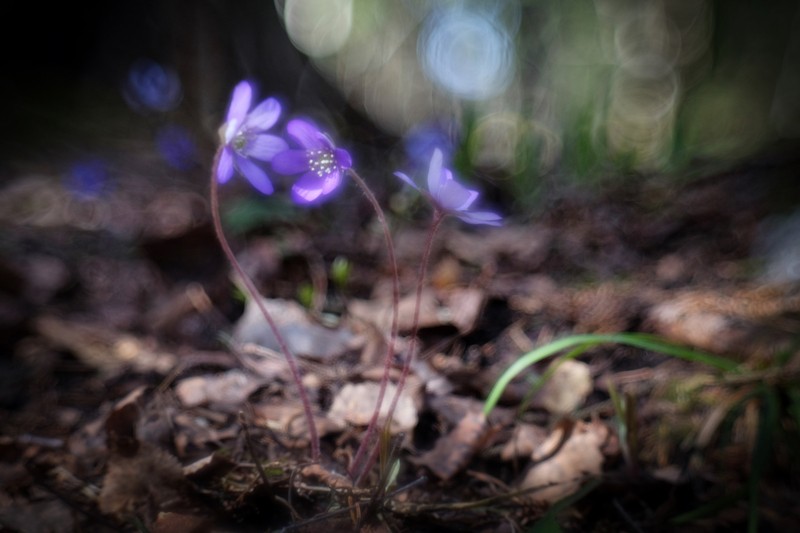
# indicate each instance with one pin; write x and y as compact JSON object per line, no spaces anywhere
{"x":140,"y":477}
{"x":318,"y":474}
{"x":525,"y":439}
{"x":683,"y":322}
{"x":565,"y":463}
{"x":287,"y":418}
{"x":301,"y":334}
{"x":142,"y":483}
{"x":229,"y":389}
{"x":759,"y":320}
{"x":567,"y":388}
{"x":379,"y":313}
{"x":464,"y":306}
{"x":103,"y":348}
{"x":453,"y":452}
{"x":446,"y":273}
{"x":355,"y":403}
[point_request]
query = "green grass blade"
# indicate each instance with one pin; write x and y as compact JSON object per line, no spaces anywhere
{"x":586,"y":341}
{"x":767,"y":426}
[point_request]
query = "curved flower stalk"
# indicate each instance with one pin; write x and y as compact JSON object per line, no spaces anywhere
{"x":244,"y":138}
{"x":321,"y":165}
{"x":450,"y":197}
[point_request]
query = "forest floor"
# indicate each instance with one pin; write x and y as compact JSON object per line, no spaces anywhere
{"x":137,"y":395}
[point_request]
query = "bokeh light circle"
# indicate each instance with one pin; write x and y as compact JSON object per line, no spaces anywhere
{"x":318,"y":28}
{"x":467,"y":53}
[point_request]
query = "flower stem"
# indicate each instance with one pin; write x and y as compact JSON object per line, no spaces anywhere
{"x":358,"y":465}
{"x":291,"y":359}
{"x":438,"y":217}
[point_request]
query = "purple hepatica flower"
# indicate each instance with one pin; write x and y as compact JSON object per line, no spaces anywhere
{"x":176,"y":147}
{"x":151,"y":86}
{"x":320,"y":162}
{"x":245,"y":138}
{"x":449,"y":196}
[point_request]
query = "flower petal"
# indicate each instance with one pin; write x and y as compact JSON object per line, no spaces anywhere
{"x":264,"y":115}
{"x":308,"y":134}
{"x":240,"y":102}
{"x":290,"y":162}
{"x":265,"y":147}
{"x":435,"y":176}
{"x":331,"y":182}
{"x":254,"y":174}
{"x":343,"y":159}
{"x":408,"y":180}
{"x":453,"y":196}
{"x":309,"y":188}
{"x":231,"y":128}
{"x":225,"y":166}
{"x":481,"y":217}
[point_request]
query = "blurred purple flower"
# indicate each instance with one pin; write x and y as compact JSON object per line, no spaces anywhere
{"x":322,"y":164}
{"x":87,"y":179}
{"x":244,"y":138}
{"x":422,"y":140}
{"x":176,"y":147}
{"x":449,"y":196}
{"x":151,"y":86}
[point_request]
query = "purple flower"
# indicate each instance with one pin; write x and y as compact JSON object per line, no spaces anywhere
{"x":244,"y":138}
{"x":449,"y":196}
{"x":322,"y":164}
{"x":151,"y":86}
{"x":176,"y":147}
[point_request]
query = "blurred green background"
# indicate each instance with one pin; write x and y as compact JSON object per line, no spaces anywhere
{"x":523,"y":94}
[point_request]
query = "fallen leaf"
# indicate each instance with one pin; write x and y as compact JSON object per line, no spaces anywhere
{"x":567,"y":388}
{"x":524,"y":440}
{"x":105,"y":349}
{"x":465,"y":306}
{"x":301,"y":334}
{"x":379,"y":312}
{"x":229,"y":389}
{"x":454,"y":451}
{"x":567,"y":460}
{"x":287,"y":418}
{"x":140,"y":477}
{"x":355,"y":403}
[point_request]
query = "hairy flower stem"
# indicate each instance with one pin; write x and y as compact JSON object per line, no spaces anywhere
{"x":438,"y":217}
{"x":358,"y":466}
{"x":291,"y":360}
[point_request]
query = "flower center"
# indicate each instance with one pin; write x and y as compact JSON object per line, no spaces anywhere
{"x":240,"y":141}
{"x":321,"y":162}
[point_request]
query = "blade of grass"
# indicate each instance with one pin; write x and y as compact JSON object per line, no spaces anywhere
{"x":767,"y":425}
{"x":586,"y":341}
{"x":622,"y":419}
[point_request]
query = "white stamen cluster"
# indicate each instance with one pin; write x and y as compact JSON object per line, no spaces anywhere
{"x":321,"y":162}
